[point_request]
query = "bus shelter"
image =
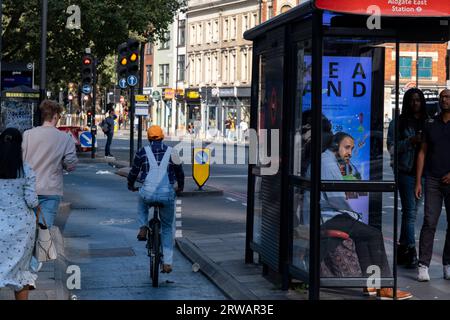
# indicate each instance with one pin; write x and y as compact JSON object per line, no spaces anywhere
{"x":320,"y":73}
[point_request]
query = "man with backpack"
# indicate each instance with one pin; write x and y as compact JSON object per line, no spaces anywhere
{"x":107,"y":126}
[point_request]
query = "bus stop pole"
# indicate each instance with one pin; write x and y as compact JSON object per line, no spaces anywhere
{"x":94,"y":98}
{"x":132,"y":103}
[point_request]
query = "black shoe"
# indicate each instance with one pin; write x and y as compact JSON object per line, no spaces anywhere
{"x":401,"y":254}
{"x":142,"y":235}
{"x":411,"y":258}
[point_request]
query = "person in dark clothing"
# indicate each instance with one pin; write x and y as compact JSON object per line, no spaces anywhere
{"x":110,"y":133}
{"x":411,"y":124}
{"x":434,"y":162}
{"x":159,"y":166}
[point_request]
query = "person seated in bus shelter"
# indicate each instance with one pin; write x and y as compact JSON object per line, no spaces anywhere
{"x":337,"y":214}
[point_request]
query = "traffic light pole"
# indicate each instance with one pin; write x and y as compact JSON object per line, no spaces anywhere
{"x":94,"y":98}
{"x":132,"y":105}
{"x":141,"y":91}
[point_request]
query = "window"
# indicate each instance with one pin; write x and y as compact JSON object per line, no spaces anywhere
{"x":149,"y":48}
{"x":233,"y":28}
{"x":216,"y":31}
{"x":225,"y":67}
{"x":199,"y":34}
{"x":232,"y":67}
{"x":244,"y":63}
{"x":149,"y":75}
{"x":254,"y":19}
{"x":198,"y":69}
{"x":208,"y":69}
{"x":181,"y":33}
{"x":245,"y":25}
{"x":191,"y":68}
{"x":226,"y":29}
{"x":192,"y":35}
{"x":215,"y":71}
{"x":181,"y":67}
{"x":165,"y":42}
{"x":209,"y":33}
{"x":163,"y":74}
{"x":405,"y":67}
{"x":425,"y":67}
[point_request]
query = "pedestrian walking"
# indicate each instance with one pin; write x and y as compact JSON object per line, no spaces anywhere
{"x":434,"y":162}
{"x":109,"y":132}
{"x":49,"y":151}
{"x":18,"y":222}
{"x":411,"y":124}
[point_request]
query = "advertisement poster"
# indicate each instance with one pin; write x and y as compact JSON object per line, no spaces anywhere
{"x":346,"y":102}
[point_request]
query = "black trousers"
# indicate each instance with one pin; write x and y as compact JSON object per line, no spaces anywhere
{"x":368,"y":241}
{"x":108,"y":144}
{"x":436,"y":192}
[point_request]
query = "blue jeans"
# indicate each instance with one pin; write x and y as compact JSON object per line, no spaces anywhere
{"x":49,"y":208}
{"x":410,"y":204}
{"x":167,"y":217}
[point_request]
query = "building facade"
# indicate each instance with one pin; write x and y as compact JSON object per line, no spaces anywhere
{"x":219,"y":64}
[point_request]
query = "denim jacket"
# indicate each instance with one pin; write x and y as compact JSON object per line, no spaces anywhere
{"x":406,"y":150}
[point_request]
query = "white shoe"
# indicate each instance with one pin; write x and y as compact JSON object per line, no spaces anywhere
{"x":422,"y":273}
{"x":447,"y":272}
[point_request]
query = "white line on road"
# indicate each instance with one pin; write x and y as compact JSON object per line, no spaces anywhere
{"x":231,"y":199}
{"x":244,"y":204}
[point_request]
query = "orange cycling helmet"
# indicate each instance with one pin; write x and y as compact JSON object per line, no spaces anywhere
{"x":155,"y":133}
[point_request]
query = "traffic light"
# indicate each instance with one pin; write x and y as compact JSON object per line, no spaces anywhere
{"x":87,"y":69}
{"x":122,"y":61}
{"x":128,"y":59}
{"x":133,"y":57}
{"x":89,"y":118}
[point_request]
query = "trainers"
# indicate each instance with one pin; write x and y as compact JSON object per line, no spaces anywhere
{"x":369,"y":291}
{"x":142,"y":235}
{"x":447,"y":272}
{"x":166,"y":268}
{"x":388,"y":294}
{"x":422,"y":273}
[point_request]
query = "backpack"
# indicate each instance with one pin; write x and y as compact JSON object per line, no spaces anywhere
{"x":105,"y":126}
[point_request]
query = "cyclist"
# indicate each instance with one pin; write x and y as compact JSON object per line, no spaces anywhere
{"x":159,"y":167}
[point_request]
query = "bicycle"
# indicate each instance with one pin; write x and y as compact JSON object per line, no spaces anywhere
{"x":154,"y":246}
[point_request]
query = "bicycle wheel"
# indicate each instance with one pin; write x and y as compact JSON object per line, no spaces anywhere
{"x":155,"y":257}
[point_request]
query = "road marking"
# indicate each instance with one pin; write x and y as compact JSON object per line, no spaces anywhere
{"x":231,"y":199}
{"x":103,"y":172}
{"x":244,"y":204}
{"x":230,"y":176}
{"x":178,"y":223}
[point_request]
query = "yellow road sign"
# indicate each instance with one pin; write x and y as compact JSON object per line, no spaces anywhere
{"x":200,"y":165}
{"x":141,"y":98}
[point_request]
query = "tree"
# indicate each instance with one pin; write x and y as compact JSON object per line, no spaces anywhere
{"x":104,"y":25}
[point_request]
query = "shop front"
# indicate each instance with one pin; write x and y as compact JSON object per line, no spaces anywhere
{"x":193,"y":112}
{"x":318,"y":87}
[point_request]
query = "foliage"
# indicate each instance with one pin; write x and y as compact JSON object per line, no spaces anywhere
{"x":104,"y":25}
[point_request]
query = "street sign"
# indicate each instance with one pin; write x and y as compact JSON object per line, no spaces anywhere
{"x":132,"y":80}
{"x":200,"y":166}
{"x":141,"y":109}
{"x":123,"y":83}
{"x":86,"y":89}
{"x":141,"y":98}
{"x":86,"y":139}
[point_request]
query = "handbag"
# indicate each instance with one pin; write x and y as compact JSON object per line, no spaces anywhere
{"x":44,"y":249}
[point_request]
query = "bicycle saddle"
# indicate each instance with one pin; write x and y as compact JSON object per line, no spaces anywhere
{"x":156,"y":204}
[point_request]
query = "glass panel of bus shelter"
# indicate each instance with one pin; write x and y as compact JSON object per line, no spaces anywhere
{"x":351,"y":248}
{"x":303,"y":116}
{"x":257,"y":211}
{"x":355,"y":76}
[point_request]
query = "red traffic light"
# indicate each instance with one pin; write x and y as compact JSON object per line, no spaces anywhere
{"x":87,"y":61}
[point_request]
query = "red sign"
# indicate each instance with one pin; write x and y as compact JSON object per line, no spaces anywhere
{"x":410,"y":8}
